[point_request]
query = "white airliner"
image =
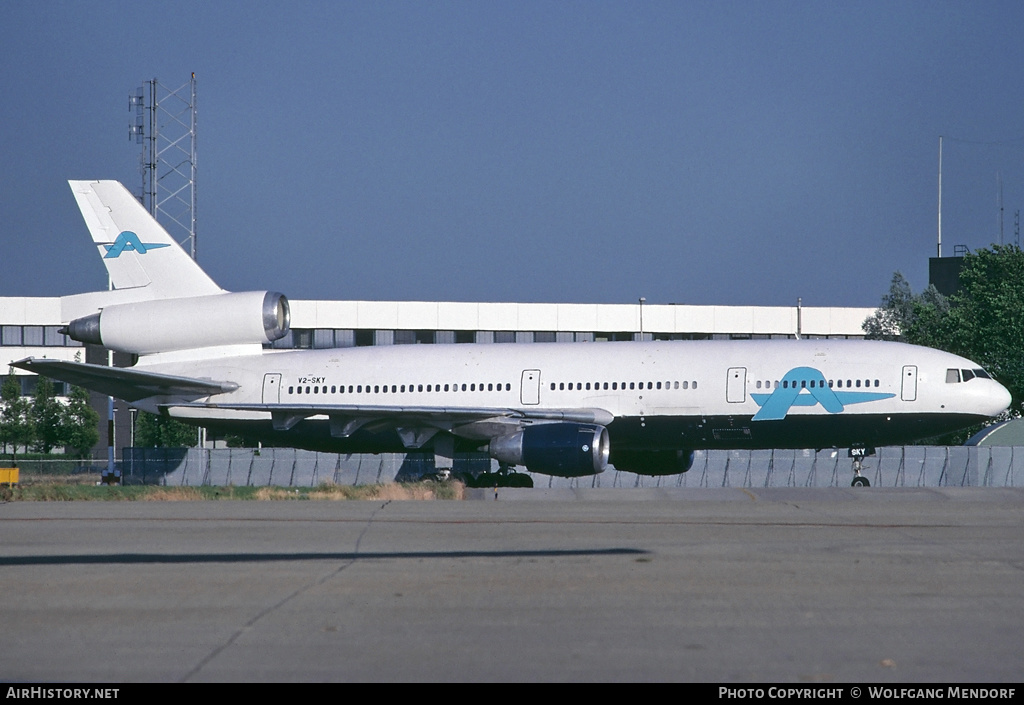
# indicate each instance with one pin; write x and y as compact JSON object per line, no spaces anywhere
{"x":560,"y":409}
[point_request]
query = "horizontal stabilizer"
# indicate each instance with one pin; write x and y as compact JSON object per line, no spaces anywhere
{"x":124,"y":383}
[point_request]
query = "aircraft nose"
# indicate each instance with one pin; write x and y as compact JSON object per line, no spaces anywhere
{"x":1000,"y":398}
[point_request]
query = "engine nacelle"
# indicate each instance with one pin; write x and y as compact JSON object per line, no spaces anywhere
{"x":164,"y":325}
{"x":562,"y":449}
{"x":653,"y":462}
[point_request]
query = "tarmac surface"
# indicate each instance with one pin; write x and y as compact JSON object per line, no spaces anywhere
{"x":712,"y":585}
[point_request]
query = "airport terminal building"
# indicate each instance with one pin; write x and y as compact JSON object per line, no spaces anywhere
{"x":30,"y":327}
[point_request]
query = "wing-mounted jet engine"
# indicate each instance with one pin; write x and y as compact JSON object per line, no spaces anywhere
{"x":562,"y":449}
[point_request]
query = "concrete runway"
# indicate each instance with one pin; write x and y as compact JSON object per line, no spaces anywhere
{"x":727,"y":585}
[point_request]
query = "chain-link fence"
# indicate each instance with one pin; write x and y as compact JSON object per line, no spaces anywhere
{"x":900,"y":466}
{"x":55,"y":467}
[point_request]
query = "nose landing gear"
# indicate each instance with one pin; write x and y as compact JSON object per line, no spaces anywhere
{"x":858,"y":455}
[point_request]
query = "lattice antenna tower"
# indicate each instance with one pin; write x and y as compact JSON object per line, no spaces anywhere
{"x":165,"y":127}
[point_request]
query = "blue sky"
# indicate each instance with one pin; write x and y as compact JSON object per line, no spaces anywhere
{"x":691,"y":152}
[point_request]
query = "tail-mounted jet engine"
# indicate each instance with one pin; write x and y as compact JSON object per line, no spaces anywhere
{"x":562,"y":449}
{"x":165,"y":325}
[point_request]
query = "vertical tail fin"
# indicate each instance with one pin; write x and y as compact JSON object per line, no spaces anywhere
{"x":137,"y":252}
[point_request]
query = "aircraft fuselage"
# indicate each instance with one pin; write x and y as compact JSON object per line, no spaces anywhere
{"x":658,"y":396}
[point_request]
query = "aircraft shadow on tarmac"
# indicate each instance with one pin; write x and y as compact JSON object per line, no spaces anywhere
{"x":180,"y":558}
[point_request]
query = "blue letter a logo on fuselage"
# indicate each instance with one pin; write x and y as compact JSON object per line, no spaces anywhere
{"x":129,"y":241}
{"x":806,"y":386}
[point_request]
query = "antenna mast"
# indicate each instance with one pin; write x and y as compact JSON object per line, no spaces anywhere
{"x":999,"y":182}
{"x":940,"y":196}
{"x":165,"y":126}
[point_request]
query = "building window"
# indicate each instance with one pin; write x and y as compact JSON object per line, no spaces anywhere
{"x":344,"y":338}
{"x":10,"y":335}
{"x":52,"y":337}
{"x":33,"y":335}
{"x":323,"y":338}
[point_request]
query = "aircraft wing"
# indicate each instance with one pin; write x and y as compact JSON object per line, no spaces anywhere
{"x":121,"y":382}
{"x":415,"y":425}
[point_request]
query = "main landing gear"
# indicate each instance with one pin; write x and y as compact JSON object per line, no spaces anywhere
{"x":858,"y":455}
{"x":505,"y":477}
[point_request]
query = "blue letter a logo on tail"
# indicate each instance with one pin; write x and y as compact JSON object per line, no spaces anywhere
{"x":129,"y":241}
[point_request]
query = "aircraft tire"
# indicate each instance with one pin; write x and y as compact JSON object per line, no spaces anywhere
{"x":860,"y":481}
{"x":519,"y":480}
{"x":484,"y":480}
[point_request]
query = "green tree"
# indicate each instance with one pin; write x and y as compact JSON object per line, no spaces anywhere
{"x":903,"y":315}
{"x":983,"y":321}
{"x":924,"y":327}
{"x":80,"y":422}
{"x":153,"y":431}
{"x":15,"y":418}
{"x":47,"y":414}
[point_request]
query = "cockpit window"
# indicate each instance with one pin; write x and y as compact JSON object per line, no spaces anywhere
{"x":954,"y":376}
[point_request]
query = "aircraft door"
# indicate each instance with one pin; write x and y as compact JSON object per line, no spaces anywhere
{"x":272,"y":388}
{"x":909,"y":391}
{"x":530,"y":389}
{"x":736,"y":385}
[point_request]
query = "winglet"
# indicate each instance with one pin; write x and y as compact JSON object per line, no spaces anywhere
{"x":135,"y":248}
